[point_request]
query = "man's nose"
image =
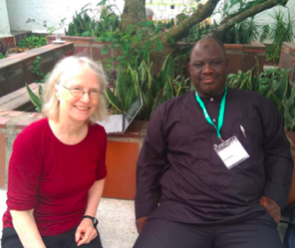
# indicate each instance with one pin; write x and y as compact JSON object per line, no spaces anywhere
{"x":207,"y":69}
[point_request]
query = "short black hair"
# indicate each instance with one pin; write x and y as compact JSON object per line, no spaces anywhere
{"x":219,"y":43}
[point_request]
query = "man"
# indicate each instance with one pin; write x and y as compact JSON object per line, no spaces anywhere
{"x":220,"y":162}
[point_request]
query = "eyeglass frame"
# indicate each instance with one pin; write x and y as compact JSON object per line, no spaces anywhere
{"x":83,"y":92}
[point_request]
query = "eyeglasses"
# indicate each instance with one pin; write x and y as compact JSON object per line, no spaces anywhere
{"x":79,"y":92}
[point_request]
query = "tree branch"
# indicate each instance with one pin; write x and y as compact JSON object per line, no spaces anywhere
{"x":201,"y":13}
{"x":227,"y":23}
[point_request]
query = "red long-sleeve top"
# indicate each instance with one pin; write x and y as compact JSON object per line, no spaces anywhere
{"x":53,"y":178}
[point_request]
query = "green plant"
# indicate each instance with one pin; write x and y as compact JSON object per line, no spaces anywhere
{"x":265,"y":32}
{"x":243,"y":32}
{"x":282,"y":30}
{"x":2,"y":56}
{"x":165,"y":25}
{"x":134,"y":44}
{"x":83,"y":25}
{"x":155,"y":89}
{"x":37,"y":69}
{"x":32,"y":42}
{"x":274,"y":84}
{"x":35,"y":99}
{"x":52,"y":29}
{"x":199,"y":31}
{"x":4,"y":49}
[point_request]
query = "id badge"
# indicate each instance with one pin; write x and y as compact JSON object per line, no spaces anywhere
{"x":231,"y":152}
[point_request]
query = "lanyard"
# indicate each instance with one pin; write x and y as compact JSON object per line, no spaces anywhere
{"x":221,"y":112}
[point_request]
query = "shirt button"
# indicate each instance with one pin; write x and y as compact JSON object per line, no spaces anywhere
{"x":212,"y":99}
{"x":214,"y":120}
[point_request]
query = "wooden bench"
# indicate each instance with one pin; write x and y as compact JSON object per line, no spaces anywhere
{"x":18,"y":100}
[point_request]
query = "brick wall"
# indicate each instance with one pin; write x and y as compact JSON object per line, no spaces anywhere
{"x":16,"y":70}
{"x":86,"y":46}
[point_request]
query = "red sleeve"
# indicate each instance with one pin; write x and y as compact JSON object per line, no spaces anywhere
{"x":101,"y":171}
{"x":24,"y":171}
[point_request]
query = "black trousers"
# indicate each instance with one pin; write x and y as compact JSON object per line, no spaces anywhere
{"x":10,"y":239}
{"x":256,"y":233}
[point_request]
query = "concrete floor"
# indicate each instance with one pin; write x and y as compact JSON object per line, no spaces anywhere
{"x":116,"y":221}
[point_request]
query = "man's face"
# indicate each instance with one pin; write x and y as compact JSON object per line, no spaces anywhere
{"x":208,"y":68}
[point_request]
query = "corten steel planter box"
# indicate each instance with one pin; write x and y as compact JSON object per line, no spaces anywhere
{"x":85,"y":46}
{"x":122,"y":152}
{"x":287,"y":58}
{"x":16,"y":70}
{"x":242,"y":56}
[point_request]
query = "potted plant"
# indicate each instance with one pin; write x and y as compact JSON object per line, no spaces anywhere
{"x":86,"y":26}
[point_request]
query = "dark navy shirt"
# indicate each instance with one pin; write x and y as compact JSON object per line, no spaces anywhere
{"x":179,"y":165}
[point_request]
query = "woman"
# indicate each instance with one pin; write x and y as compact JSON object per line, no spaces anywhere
{"x":57,"y":167}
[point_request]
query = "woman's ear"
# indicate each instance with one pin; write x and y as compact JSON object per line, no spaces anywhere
{"x":56,"y":91}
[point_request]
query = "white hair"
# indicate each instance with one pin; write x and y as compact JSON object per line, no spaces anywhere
{"x":149,"y":12}
{"x":65,"y":70}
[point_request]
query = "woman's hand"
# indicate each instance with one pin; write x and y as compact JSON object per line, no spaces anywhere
{"x":85,"y":232}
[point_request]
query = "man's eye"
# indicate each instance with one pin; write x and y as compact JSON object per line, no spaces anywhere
{"x":198,"y":65}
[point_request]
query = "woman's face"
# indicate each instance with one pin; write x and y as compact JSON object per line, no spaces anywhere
{"x":79,"y":97}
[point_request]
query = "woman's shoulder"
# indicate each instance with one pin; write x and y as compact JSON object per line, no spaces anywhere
{"x":95,"y":127}
{"x":97,"y":134}
{"x":34,"y":130}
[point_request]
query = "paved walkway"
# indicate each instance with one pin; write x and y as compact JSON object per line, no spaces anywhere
{"x":116,"y":219}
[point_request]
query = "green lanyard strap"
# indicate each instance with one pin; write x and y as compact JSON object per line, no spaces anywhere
{"x":221,"y":112}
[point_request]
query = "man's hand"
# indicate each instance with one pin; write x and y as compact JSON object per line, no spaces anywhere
{"x":272,"y":208}
{"x":85,"y":232}
{"x":140,"y":222}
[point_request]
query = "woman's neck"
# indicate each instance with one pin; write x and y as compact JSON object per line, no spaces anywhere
{"x":69,"y":133}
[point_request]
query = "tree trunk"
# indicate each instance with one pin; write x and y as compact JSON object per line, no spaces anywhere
{"x":134,"y":12}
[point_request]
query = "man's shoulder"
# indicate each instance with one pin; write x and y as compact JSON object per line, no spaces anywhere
{"x":171,"y":108}
{"x":251,"y":99}
{"x":246,"y":94}
{"x":175,"y":102}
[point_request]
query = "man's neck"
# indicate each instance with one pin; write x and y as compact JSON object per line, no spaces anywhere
{"x":209,"y":95}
